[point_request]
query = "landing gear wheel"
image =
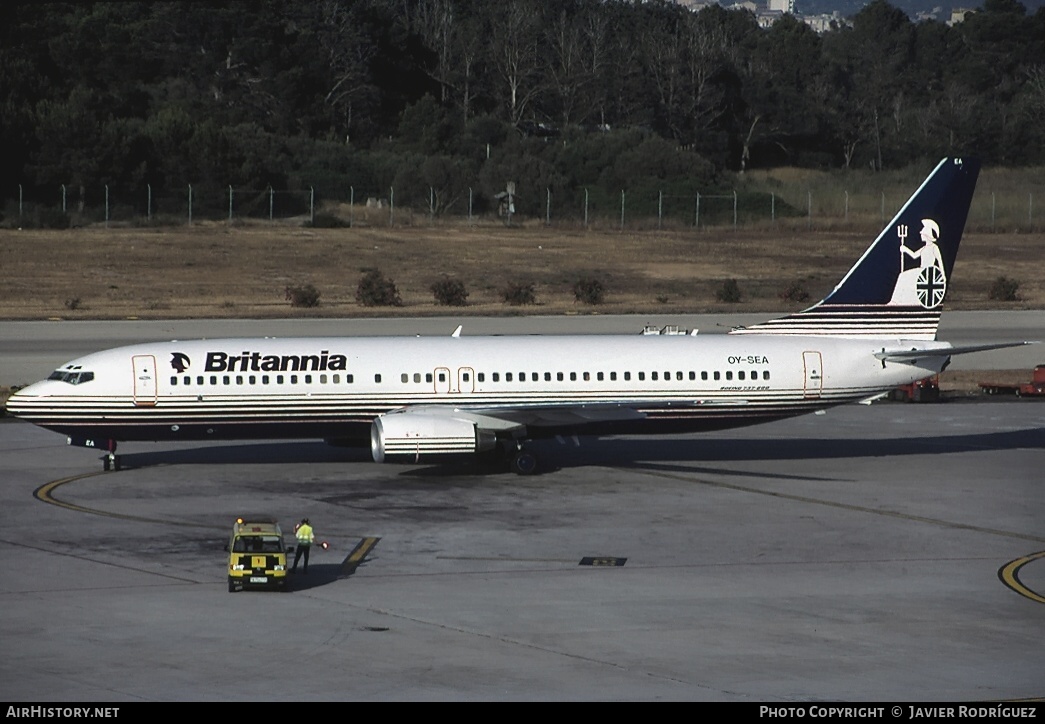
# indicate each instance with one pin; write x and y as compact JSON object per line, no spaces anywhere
{"x":524,"y":463}
{"x":232,"y":586}
{"x":111,"y":462}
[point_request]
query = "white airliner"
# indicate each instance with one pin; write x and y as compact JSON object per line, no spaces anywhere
{"x":414,"y":397}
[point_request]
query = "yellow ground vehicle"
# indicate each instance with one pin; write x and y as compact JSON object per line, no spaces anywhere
{"x":257,"y":556}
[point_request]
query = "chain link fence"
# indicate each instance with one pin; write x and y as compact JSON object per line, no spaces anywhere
{"x":623,"y":210}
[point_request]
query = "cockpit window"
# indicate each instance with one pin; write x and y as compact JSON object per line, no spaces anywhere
{"x":77,"y":377}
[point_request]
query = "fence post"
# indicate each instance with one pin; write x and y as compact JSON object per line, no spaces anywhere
{"x":585,"y":208}
{"x":772,"y":207}
{"x":994,"y":203}
{"x":148,"y":204}
{"x":63,"y":198}
{"x":19,"y":202}
{"x":1030,"y":208}
{"x":847,"y":207}
{"x":351,"y":205}
{"x":882,"y":212}
{"x":431,"y":205}
{"x":271,"y":198}
{"x":312,"y":204}
{"x":548,"y":207}
{"x":696,"y":214}
{"x":469,"y":205}
{"x":230,"y":204}
{"x":809,"y":209}
{"x":660,"y":209}
{"x":190,"y":204}
{"x":622,"y":209}
{"x":734,"y":209}
{"x":391,"y":205}
{"x":106,"y":206}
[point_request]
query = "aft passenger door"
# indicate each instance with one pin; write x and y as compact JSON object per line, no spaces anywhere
{"x":144,"y":366}
{"x":814,"y":375}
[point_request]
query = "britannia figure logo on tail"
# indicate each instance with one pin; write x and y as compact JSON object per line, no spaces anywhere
{"x":922,"y":280}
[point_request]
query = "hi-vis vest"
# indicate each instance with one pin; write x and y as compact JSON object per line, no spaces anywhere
{"x":304,"y":535}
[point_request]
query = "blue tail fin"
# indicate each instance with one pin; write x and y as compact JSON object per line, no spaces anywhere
{"x":897,"y":287}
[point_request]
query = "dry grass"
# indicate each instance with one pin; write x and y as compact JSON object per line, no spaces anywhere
{"x":214,"y":271}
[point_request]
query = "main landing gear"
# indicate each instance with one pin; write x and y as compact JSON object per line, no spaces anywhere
{"x":520,"y":459}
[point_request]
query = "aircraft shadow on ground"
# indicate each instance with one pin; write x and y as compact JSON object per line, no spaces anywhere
{"x":606,"y":452}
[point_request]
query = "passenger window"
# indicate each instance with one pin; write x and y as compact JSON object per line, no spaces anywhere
{"x":718,"y":375}
{"x":642,"y":376}
{"x":740,"y":375}
{"x":214,"y":379}
{"x":613,"y":376}
{"x":239,"y":379}
{"x":322,"y":379}
{"x":627,"y":377}
{"x":253,"y":379}
{"x":653,"y":376}
{"x":404,"y":378}
{"x":765,"y":374}
{"x":496,"y":376}
{"x":377,"y":378}
{"x":428,"y":377}
{"x":199,"y":380}
{"x":417,"y":377}
{"x":188,"y":380}
{"x":703,"y":375}
{"x":547,"y":376}
{"x":226,"y":380}
{"x":279,"y":379}
{"x":308,"y":379}
{"x":560,"y":376}
{"x":729,"y":374}
{"x":174,"y":381}
{"x":573,"y":377}
{"x":507,"y":376}
{"x":293,"y":379}
{"x":480,"y":376}
{"x":600,"y":376}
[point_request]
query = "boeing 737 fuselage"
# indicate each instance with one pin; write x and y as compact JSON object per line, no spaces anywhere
{"x":413,"y":397}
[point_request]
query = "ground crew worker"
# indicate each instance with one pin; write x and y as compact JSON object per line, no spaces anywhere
{"x":305,"y":538}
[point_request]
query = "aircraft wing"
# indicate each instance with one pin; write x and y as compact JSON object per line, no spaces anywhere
{"x":909,"y":355}
{"x":508,"y":419}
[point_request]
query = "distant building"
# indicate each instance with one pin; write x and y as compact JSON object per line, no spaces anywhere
{"x":958,"y":15}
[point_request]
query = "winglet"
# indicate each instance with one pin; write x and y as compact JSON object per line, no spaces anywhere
{"x":457,"y":332}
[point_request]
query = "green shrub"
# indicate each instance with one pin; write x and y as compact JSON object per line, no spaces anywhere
{"x":327,"y":221}
{"x":589,"y":291}
{"x":303,"y":296}
{"x":375,"y":290}
{"x":450,"y":292}
{"x":518,"y":294}
{"x":730,"y":291}
{"x":1004,"y":289}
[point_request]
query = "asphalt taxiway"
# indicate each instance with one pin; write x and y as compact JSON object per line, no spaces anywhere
{"x":891,"y":552}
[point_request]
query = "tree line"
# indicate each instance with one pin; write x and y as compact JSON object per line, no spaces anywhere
{"x":429,"y":96}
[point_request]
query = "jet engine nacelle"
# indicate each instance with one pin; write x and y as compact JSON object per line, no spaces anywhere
{"x":417,"y":433}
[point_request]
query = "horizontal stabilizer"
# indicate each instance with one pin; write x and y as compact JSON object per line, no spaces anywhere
{"x":906,"y":355}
